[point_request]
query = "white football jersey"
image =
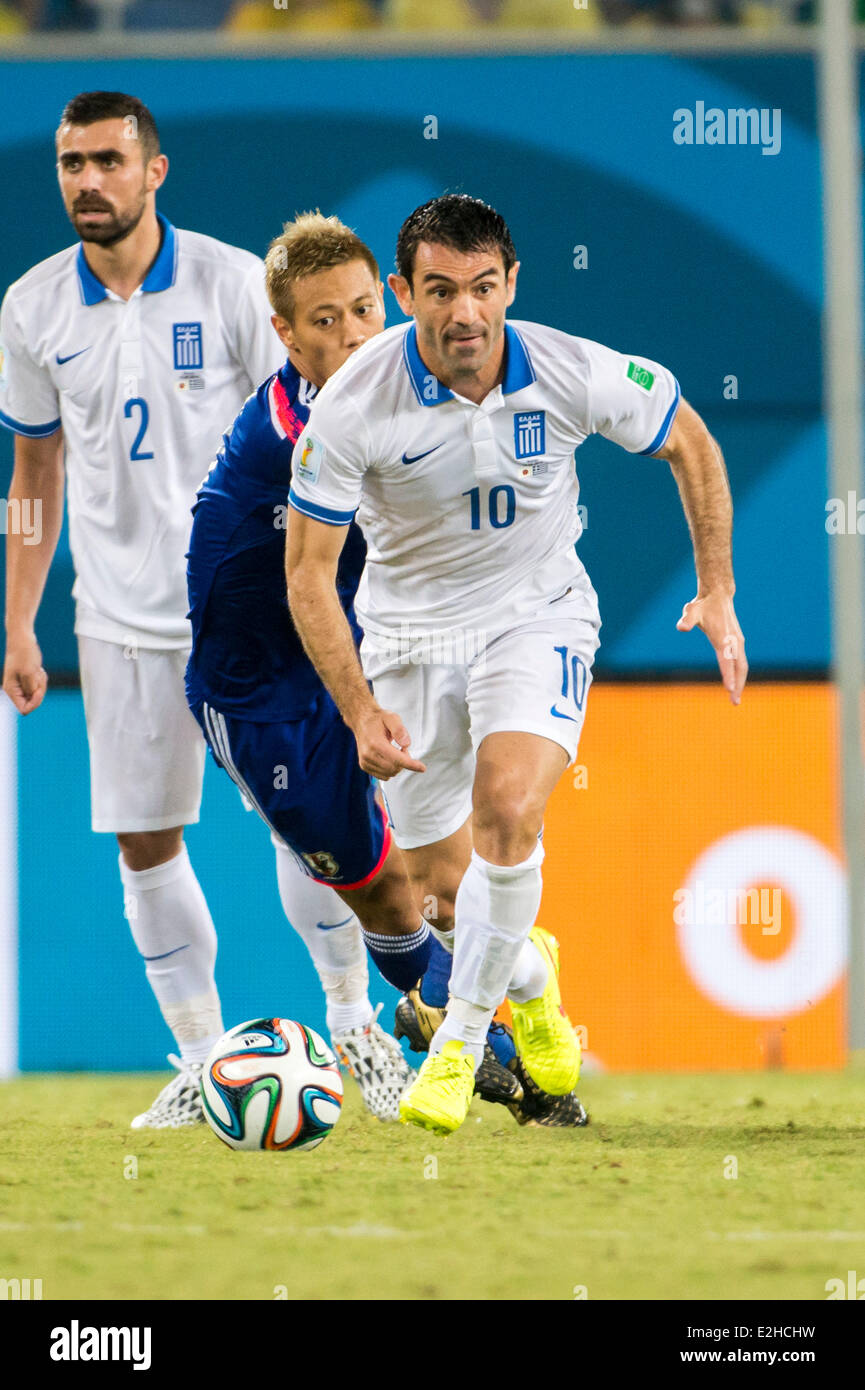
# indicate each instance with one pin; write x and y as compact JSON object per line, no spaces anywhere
{"x":470,"y":511}
{"x":143,"y":390}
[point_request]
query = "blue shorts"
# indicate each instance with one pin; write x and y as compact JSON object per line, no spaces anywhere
{"x":304,"y":780}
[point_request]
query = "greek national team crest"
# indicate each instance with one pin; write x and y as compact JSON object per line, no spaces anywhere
{"x":188,"y":350}
{"x":529,"y":434}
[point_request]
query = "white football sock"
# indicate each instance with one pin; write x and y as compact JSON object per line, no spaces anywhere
{"x":173,"y":930}
{"x":530,"y":976}
{"x":332,"y":935}
{"x":496,"y":906}
{"x":444,"y":938}
{"x":468,"y":1023}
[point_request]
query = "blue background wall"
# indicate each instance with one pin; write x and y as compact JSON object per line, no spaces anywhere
{"x":705,"y":258}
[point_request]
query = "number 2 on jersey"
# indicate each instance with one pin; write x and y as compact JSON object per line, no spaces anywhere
{"x":496,"y":495}
{"x":135,"y":452}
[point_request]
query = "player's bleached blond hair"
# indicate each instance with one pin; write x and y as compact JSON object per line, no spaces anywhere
{"x":308,"y":245}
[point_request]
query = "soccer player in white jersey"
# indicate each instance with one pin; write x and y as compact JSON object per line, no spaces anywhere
{"x":452,"y":440}
{"x":132,"y":351}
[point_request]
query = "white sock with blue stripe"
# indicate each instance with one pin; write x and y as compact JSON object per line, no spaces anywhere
{"x":332,"y":935}
{"x":173,"y":930}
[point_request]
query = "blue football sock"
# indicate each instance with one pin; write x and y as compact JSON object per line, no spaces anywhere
{"x":434,"y":985}
{"x":501,"y":1043}
{"x":401,"y":959}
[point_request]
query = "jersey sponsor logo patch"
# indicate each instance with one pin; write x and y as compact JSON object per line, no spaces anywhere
{"x":2,"y":365}
{"x":188,"y":348}
{"x":322,"y":863}
{"x":529,"y":433}
{"x":308,"y":465}
{"x":641,"y":376}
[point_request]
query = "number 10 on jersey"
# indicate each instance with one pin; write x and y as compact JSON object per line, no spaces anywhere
{"x":501,"y":506}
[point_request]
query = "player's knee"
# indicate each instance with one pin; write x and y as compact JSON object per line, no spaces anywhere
{"x":434,"y":891}
{"x":144,"y":849}
{"x":507,"y":820}
{"x":385,"y":904}
{"x":506,"y":805}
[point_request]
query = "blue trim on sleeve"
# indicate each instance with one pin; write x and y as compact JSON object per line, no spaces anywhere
{"x":31,"y":431}
{"x":660,"y":438}
{"x":328,"y":514}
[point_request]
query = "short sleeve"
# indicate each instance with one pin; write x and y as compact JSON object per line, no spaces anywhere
{"x":28,"y":401}
{"x":256,"y":346}
{"x":329,"y":461}
{"x":632,"y":400}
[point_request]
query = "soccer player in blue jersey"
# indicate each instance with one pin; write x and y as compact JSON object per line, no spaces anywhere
{"x":269,"y":721}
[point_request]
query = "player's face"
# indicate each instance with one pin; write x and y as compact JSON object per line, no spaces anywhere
{"x":458,"y":300}
{"x":104,"y":180}
{"x":334,"y":312}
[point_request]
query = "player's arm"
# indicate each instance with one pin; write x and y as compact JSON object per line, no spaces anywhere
{"x":698,"y":467}
{"x":312,"y":554}
{"x":38,"y":479}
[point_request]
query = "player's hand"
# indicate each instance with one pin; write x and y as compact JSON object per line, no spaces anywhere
{"x":715,"y":615}
{"x":381,"y":743}
{"x":24,"y":678}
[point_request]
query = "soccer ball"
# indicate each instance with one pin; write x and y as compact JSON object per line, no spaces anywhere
{"x":271,"y":1084}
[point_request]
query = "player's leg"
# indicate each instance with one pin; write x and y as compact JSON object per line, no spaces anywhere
{"x":429,"y":815}
{"x":331,"y":933}
{"x":527,"y":706}
{"x":435,"y":872}
{"x":333,"y":937}
{"x":497,"y":905}
{"x":146,"y":764}
{"x":516,"y":726}
{"x":323,"y":809}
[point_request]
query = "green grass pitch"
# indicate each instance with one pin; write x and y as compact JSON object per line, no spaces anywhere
{"x":641,"y":1205}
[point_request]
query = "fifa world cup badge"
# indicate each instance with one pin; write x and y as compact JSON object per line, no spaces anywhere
{"x":308,"y":464}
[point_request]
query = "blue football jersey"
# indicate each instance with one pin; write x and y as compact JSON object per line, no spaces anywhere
{"x":247,"y":659}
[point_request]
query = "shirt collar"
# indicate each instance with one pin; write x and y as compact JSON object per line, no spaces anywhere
{"x":160,"y":276}
{"x":430,"y":391}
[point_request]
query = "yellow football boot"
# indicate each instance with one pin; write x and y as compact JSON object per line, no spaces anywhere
{"x":543,"y":1035}
{"x":440,"y":1097}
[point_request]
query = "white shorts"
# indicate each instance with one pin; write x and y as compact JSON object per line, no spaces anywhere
{"x":532,"y":678}
{"x":146,"y":750}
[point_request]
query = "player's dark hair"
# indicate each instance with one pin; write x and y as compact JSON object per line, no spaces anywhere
{"x":89,"y":107}
{"x":457,"y":221}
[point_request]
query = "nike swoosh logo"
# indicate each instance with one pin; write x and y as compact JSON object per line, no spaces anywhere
{"x":559,"y":715}
{"x":61,"y":360}
{"x":332,"y":926}
{"x":413,"y":458}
